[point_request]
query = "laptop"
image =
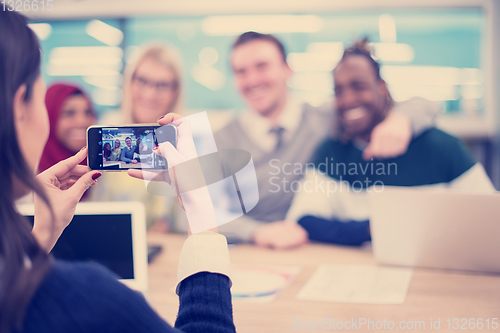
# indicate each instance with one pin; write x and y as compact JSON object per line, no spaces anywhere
{"x":436,"y":228}
{"x":112,"y":234}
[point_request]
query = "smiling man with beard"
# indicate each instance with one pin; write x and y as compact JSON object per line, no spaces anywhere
{"x":362,"y":100}
{"x":277,"y":129}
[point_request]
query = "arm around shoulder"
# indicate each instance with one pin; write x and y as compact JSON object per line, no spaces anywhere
{"x":422,"y":113}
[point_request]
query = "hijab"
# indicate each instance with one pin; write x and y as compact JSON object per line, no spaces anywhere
{"x":55,"y":151}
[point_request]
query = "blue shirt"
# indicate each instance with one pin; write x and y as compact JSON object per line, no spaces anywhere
{"x":127,"y":154}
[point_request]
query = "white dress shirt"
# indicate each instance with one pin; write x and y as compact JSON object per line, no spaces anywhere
{"x":259,"y":127}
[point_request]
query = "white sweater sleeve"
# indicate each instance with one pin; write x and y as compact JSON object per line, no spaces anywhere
{"x":317,"y":196}
{"x":474,"y":179}
{"x":205,"y":251}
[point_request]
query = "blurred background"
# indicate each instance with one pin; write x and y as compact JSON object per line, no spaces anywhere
{"x":443,"y":50}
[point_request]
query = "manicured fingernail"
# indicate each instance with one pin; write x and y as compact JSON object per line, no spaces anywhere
{"x":83,"y":148}
{"x":161,"y":118}
{"x":96,"y":175}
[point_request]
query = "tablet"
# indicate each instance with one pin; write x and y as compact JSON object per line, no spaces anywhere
{"x":112,"y":234}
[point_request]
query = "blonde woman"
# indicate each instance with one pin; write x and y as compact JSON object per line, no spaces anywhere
{"x":152,"y":87}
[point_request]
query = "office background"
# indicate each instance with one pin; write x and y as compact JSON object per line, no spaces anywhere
{"x":445,"y":51}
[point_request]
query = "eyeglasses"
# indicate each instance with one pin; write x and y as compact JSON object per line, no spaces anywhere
{"x":159,"y":86}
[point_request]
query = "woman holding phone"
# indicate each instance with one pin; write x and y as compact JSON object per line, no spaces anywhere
{"x":40,"y":294}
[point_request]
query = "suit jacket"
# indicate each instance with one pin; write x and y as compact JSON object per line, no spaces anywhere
{"x":127,"y":154}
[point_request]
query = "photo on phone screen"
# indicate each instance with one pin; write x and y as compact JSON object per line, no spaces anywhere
{"x":128,"y":147}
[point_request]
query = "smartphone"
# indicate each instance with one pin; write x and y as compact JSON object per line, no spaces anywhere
{"x":128,"y":147}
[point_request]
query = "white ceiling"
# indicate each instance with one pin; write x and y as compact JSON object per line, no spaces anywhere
{"x":66,"y":9}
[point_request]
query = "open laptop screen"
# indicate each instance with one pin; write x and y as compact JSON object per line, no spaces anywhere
{"x":105,"y":239}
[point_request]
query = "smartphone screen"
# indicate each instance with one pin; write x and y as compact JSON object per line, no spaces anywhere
{"x":128,"y":147}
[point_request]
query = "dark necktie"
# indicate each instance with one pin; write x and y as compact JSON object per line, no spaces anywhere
{"x":278,"y":132}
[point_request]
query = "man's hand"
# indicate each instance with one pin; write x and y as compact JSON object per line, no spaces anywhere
{"x":280,"y":235}
{"x":390,"y":138}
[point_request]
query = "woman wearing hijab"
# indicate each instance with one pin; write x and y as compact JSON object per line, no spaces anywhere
{"x":70,"y":114}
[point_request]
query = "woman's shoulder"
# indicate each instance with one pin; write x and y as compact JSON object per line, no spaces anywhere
{"x":84,"y":281}
{"x":84,"y":295}
{"x":80,"y":271}
{"x":88,"y":297}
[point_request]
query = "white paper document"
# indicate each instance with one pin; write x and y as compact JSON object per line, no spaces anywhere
{"x":357,"y":284}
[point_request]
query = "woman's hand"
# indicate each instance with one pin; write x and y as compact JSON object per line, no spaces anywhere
{"x":64,"y":185}
{"x":185,"y":151}
{"x":197,"y":203}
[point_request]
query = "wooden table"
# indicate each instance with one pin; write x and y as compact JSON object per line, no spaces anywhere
{"x":433,"y":294}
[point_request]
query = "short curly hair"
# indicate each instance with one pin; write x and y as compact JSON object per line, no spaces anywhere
{"x":361,"y":48}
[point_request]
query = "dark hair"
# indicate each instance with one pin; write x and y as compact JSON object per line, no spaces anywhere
{"x":128,"y":138}
{"x":107,"y":150}
{"x":23,"y":263}
{"x":252,"y":35}
{"x":361,"y":48}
